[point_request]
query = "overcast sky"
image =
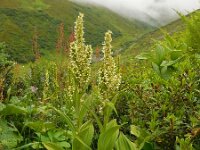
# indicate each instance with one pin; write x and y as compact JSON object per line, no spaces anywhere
{"x":161,"y":10}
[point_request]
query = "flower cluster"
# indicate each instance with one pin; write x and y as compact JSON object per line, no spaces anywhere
{"x":109,"y":76}
{"x":46,"y":85}
{"x":80,"y":55}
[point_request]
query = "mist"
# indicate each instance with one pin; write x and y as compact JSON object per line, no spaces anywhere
{"x":154,"y":12}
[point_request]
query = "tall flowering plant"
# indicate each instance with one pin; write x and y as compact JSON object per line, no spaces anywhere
{"x":109,"y":80}
{"x":80,"y":55}
{"x":109,"y":76}
{"x":83,"y":104}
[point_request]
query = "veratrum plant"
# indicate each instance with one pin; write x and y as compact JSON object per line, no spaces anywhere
{"x":82,"y":131}
{"x":80,"y":55}
{"x":109,"y":80}
{"x":109,"y":77}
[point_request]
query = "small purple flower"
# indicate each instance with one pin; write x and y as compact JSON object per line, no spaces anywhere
{"x":33,"y":89}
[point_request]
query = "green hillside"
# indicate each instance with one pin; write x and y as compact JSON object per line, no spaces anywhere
{"x":19,"y":18}
{"x":148,"y":40}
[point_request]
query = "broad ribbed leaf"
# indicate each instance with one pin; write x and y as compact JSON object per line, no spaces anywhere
{"x":160,"y":54}
{"x":107,"y":139}
{"x":135,"y":131}
{"x":64,"y":144}
{"x":112,"y":106}
{"x":9,"y":136}
{"x":175,"y":54}
{"x":66,"y":119}
{"x":40,"y":126}
{"x":111,"y":124}
{"x":52,"y":146}
{"x":156,"y":68}
{"x":85,"y":135}
{"x":124,"y":143}
{"x":11,"y":109}
{"x":170,"y":63}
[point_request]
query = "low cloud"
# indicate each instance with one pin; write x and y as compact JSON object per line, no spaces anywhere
{"x":151,"y":11}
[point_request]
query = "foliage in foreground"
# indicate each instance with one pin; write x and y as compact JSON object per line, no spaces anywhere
{"x":65,"y":105}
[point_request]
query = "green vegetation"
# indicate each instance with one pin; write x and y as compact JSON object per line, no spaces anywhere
{"x":150,"y":102}
{"x":19,"y":18}
{"x":17,"y":24}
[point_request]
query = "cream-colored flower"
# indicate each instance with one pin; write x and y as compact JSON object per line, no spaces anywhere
{"x":80,"y":55}
{"x":109,"y":77}
{"x":46,"y":85}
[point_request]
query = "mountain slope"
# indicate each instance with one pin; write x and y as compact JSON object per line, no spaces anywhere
{"x":146,"y":41}
{"x":20,"y":17}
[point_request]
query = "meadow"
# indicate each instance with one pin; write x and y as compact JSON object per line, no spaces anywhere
{"x":148,"y":101}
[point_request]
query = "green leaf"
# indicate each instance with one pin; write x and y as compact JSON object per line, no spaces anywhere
{"x":170,"y":63}
{"x":40,"y":126}
{"x":2,"y":106}
{"x":66,"y":119}
{"x":35,"y":144}
{"x":52,"y":146}
{"x":164,"y":72}
{"x":112,"y":106}
{"x":142,"y":136}
{"x":11,"y":109}
{"x":59,"y":135}
{"x":124,"y":143}
{"x":184,"y":144}
{"x":44,"y":138}
{"x":143,"y":56}
{"x":147,"y":146}
{"x":64,"y":144}
{"x":84,"y":109}
{"x":160,"y":54}
{"x":170,"y":40}
{"x":135,"y":130}
{"x":9,"y":136}
{"x":51,"y":135}
{"x":175,"y":54}
{"x":197,"y":56}
{"x":107,"y":139}
{"x":156,"y":68}
{"x":111,"y":124}
{"x":86,"y":134}
{"x":81,"y":141}
{"x":167,"y":63}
